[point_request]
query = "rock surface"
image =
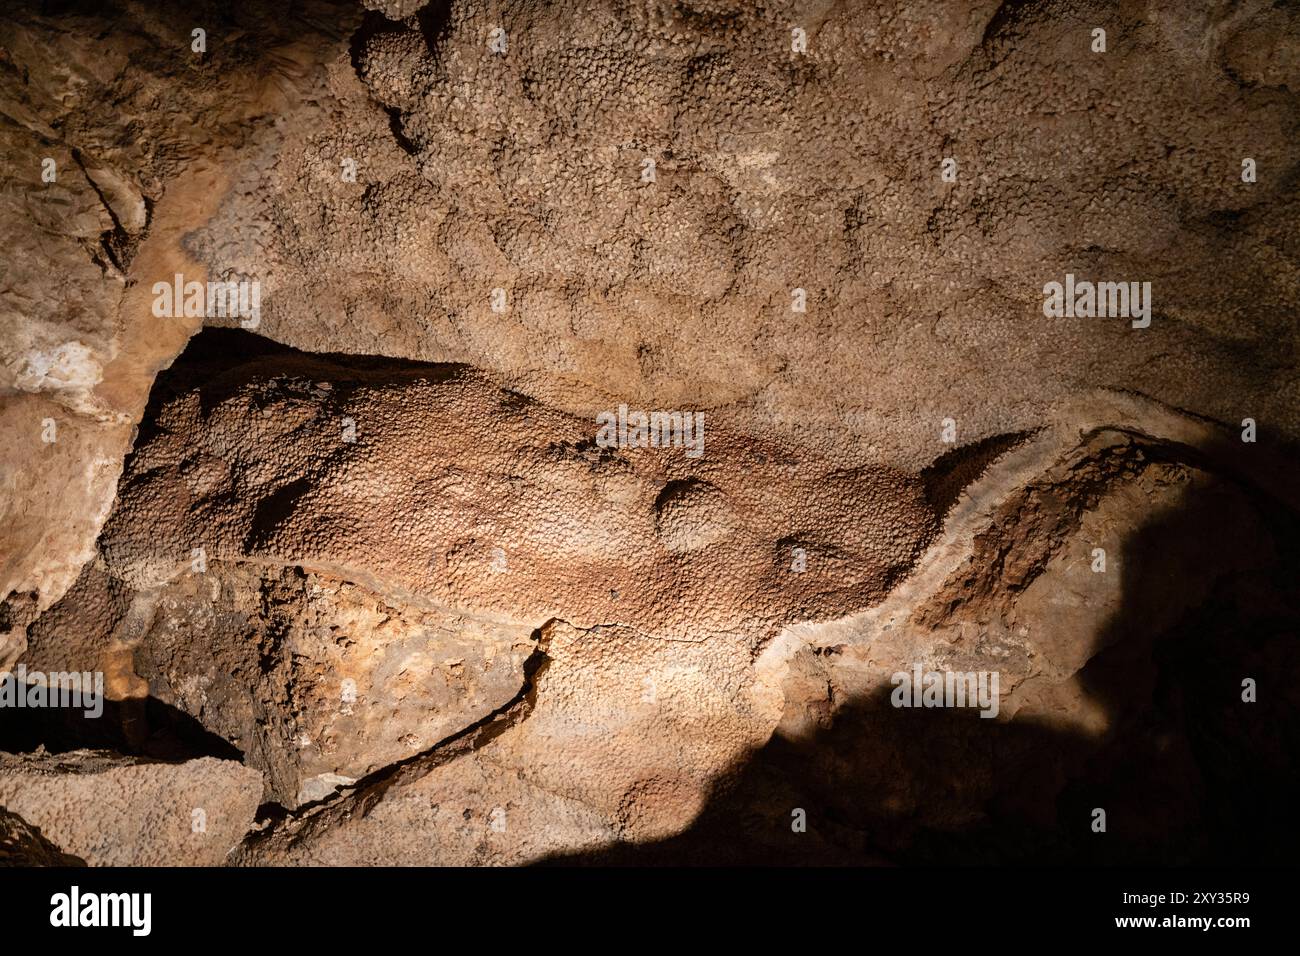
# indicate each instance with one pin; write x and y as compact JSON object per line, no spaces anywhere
{"x":373,"y":569}
{"x":454,"y":491}
{"x":21,"y":844}
{"x":113,"y":811}
{"x":118,"y":139}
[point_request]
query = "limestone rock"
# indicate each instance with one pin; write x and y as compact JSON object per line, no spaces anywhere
{"x":373,"y":544}
{"x":432,"y":482}
{"x":113,"y":811}
{"x":23,"y":845}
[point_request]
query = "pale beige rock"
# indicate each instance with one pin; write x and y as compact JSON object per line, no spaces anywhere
{"x":138,"y":141}
{"x":778,"y":171}
{"x":464,"y":813}
{"x":111,"y":811}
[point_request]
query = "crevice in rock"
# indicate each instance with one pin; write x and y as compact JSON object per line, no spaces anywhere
{"x":116,"y":244}
{"x":145,"y":727}
{"x":358,"y":797}
{"x":954,"y":471}
{"x":434,"y":18}
{"x":374,"y":24}
{"x":22,"y":844}
{"x":214,"y":351}
{"x":399,"y":134}
{"x":1027,"y":530}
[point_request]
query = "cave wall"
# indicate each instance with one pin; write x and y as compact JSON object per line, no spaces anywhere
{"x":366,"y":542}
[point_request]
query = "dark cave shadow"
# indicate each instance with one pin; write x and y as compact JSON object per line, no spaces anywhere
{"x":215,"y":351}
{"x":1187,"y":772}
{"x":434,"y":19}
{"x":274,"y":509}
{"x":137,"y":728}
{"x":950,"y":473}
{"x":217,"y":361}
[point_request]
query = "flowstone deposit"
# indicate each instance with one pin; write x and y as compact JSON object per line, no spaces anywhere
{"x":644,"y":419}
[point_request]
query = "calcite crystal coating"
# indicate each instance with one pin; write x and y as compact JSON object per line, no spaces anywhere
{"x":372,"y":560}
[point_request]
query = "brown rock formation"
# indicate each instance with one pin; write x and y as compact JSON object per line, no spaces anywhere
{"x":23,"y":845}
{"x":375,"y":545}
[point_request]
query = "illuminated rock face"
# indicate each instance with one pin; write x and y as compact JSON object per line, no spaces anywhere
{"x":433,"y":482}
{"x":631,"y":397}
{"x":113,"y":811}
